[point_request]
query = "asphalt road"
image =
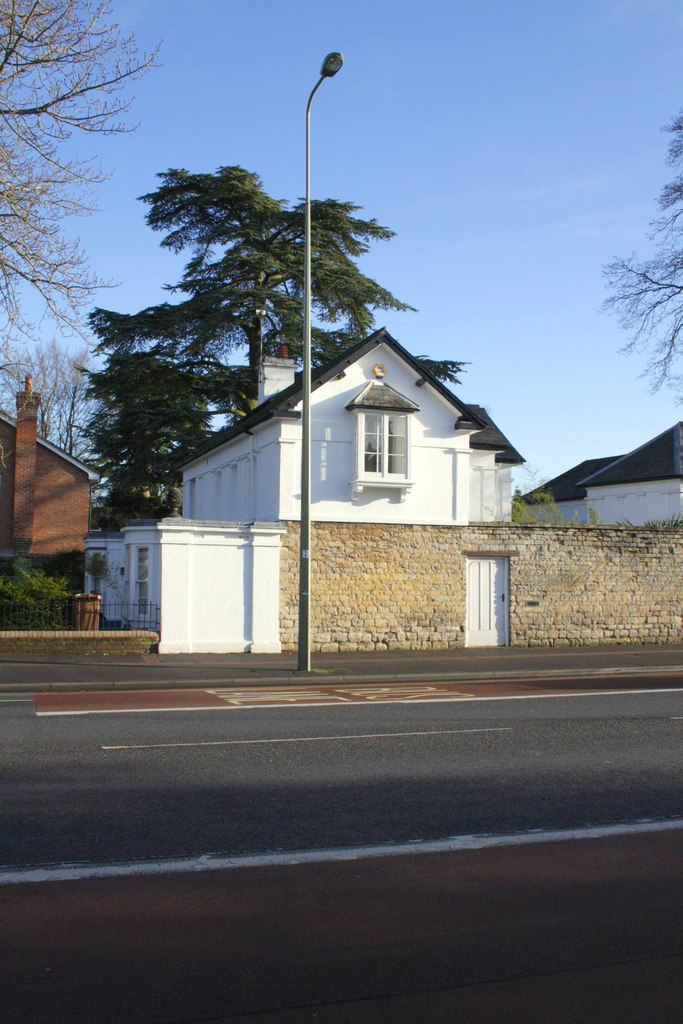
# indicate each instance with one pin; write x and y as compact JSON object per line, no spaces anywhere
{"x":118,"y":787}
{"x":568,"y":933}
{"x":579,"y":932}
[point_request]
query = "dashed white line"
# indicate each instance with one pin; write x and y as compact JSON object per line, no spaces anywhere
{"x":301,"y":739}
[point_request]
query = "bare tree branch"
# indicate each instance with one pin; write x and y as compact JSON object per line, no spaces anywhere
{"x":647,"y":295}
{"x":64,"y":67}
{"x":59,"y":375}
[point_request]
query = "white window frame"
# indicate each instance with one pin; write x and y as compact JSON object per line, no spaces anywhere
{"x":142,"y":578}
{"x":364,"y":479}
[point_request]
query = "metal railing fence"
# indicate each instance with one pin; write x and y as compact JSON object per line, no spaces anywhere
{"x":74,"y":613}
{"x":129,"y":615}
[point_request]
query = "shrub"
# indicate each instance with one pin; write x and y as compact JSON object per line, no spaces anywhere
{"x":31,"y":600}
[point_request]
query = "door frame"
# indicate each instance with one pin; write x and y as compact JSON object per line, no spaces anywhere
{"x":503,"y":609}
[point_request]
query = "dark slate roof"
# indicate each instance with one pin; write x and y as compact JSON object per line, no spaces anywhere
{"x":282,"y":404}
{"x":566,"y":486}
{"x":658,"y":459}
{"x":382,"y":396}
{"x":492,"y":439}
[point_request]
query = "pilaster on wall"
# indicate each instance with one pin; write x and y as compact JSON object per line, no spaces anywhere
{"x":378,"y":587}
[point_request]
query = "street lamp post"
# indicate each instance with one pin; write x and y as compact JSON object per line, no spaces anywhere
{"x":330,"y":67}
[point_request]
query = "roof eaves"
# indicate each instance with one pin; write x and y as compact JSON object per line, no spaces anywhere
{"x":282,"y":403}
{"x":245,"y":426}
{"x":594,"y":479}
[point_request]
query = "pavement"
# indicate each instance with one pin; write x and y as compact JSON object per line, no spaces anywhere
{"x":40,"y":673}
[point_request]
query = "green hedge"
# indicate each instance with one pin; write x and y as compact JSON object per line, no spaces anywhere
{"x":31,"y":600}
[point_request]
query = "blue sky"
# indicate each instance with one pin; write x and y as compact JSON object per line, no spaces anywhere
{"x":515,"y":146}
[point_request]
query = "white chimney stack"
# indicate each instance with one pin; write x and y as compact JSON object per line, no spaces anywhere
{"x":275,"y":374}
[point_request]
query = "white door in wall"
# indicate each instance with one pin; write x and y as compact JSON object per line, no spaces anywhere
{"x":487,"y":602}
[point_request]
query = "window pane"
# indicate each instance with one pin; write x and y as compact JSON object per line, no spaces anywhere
{"x":397,"y":445}
{"x":143,"y":563}
{"x":372,"y":449}
{"x":142,"y":585}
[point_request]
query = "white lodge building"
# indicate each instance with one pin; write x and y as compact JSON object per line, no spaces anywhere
{"x":390,"y":445}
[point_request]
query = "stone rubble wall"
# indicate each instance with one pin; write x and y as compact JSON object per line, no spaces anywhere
{"x":380,"y":587}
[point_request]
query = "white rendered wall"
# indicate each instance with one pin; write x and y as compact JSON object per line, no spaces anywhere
{"x":142,"y":535}
{"x":432,"y":451}
{"x":637,"y":503}
{"x":236,"y":482}
{"x":219,"y":587}
{"x":572,"y":511}
{"x":258,"y":477}
{"x":490,"y":489}
{"x":113,"y":587}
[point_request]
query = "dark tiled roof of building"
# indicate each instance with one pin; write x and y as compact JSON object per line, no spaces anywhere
{"x":282,"y":404}
{"x":491,"y":438}
{"x":382,"y":396}
{"x":566,"y":486}
{"x":658,"y":459}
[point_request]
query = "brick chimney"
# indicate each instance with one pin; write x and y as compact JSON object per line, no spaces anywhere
{"x":28,"y":402}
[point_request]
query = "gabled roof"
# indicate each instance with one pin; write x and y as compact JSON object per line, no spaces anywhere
{"x":567,"y":486}
{"x":493,"y":439}
{"x":384,"y":397}
{"x":282,"y":404}
{"x":93,"y":475}
{"x":658,"y":459}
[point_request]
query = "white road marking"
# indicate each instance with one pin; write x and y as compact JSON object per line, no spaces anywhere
{"x":350,"y":703}
{"x":210,"y":862}
{"x":302,"y":739}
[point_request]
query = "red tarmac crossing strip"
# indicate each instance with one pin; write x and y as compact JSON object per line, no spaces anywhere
{"x":233,"y":698}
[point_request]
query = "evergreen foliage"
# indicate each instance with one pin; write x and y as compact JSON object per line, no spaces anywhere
{"x":31,"y":600}
{"x":171,"y":367}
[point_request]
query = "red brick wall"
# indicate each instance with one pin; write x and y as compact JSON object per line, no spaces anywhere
{"x":62,"y":502}
{"x":61,"y":499}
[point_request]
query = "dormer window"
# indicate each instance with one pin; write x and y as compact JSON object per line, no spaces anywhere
{"x":385,"y":444}
{"x":382,"y":439}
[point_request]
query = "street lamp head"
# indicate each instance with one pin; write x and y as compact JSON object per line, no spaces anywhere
{"x":331,"y":65}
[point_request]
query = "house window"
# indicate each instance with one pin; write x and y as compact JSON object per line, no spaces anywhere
{"x":384,"y":444}
{"x":142,"y":576}
{"x":383,"y":452}
{"x":191,"y":499}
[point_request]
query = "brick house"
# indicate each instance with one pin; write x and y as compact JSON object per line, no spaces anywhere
{"x":44,"y":492}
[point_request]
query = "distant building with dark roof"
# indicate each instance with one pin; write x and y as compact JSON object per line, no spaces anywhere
{"x":642,"y":486}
